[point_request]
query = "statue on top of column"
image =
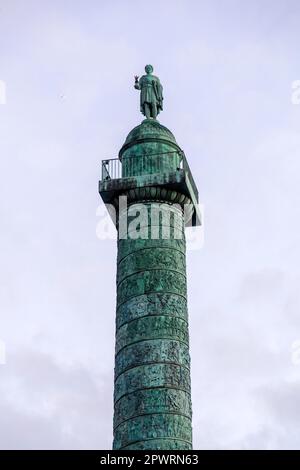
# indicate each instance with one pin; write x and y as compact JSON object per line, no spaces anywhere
{"x":151,"y":93}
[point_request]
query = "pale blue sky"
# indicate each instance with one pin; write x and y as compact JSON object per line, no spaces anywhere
{"x":227,"y":69}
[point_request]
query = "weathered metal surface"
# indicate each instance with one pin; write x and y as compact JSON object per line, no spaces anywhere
{"x":154,"y":168}
{"x":151,"y":99}
{"x":152,"y":401}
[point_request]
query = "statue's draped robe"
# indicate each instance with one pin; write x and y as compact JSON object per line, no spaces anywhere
{"x":151,"y":92}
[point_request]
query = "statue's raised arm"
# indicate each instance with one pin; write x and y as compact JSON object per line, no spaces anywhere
{"x":136,"y":82}
{"x":151,"y":93}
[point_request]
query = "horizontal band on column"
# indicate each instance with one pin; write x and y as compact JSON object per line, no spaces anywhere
{"x":142,"y":364}
{"x":173,"y":413}
{"x":152,"y":327}
{"x":143,"y":270}
{"x":183,"y":445}
{"x":170,"y":338}
{"x":129,"y":246}
{"x":137,"y":252}
{"x":155,"y":375}
{"x":154,"y":315}
{"x":153,"y":426}
{"x":151,"y":293}
{"x":151,"y":401}
{"x":152,"y":304}
{"x":156,"y":281}
{"x":148,"y":259}
{"x":161,"y":387}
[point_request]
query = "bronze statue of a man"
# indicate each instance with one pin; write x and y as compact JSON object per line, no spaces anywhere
{"x":151,"y":93}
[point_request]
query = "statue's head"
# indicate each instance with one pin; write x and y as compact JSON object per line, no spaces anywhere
{"x":148,"y":69}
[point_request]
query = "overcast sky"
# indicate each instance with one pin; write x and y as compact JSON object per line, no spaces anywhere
{"x":227,"y":68}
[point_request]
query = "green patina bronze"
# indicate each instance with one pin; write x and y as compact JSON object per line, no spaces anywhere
{"x":152,"y":395}
{"x":151,"y":93}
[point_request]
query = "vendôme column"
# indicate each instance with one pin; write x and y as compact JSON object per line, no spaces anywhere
{"x":155,"y":197}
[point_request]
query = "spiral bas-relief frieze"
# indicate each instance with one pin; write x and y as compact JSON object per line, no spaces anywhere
{"x":152,"y":363}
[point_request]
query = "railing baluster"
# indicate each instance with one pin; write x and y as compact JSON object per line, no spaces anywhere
{"x":144,"y":164}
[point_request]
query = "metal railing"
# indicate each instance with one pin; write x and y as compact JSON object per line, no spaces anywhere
{"x":188,"y":171}
{"x":146,"y":164}
{"x":111,"y":169}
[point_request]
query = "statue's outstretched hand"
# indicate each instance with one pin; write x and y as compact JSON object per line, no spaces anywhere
{"x":136,"y":78}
